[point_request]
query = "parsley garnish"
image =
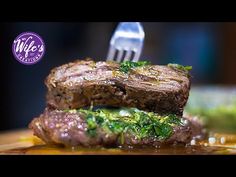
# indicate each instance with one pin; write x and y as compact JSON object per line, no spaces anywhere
{"x":126,"y":66}
{"x":180,"y":67}
{"x":136,"y":122}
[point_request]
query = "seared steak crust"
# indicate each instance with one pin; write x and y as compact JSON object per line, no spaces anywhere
{"x":81,"y":83}
{"x":70,"y":129}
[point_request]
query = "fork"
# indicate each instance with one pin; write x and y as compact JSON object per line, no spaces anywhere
{"x":127,"y":42}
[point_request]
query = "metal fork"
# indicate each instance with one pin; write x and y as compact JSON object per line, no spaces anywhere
{"x":127,"y":42}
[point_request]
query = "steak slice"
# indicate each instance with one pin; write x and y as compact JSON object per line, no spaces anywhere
{"x":70,"y":128}
{"x":78,"y":84}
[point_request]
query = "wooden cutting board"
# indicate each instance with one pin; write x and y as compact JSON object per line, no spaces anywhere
{"x":23,"y":142}
{"x":16,"y":139}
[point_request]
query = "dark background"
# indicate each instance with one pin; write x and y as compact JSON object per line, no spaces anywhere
{"x":209,"y":47}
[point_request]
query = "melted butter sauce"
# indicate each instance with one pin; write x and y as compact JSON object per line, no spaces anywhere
{"x":214,"y":144}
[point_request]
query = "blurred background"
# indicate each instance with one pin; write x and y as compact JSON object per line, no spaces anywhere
{"x":209,"y":47}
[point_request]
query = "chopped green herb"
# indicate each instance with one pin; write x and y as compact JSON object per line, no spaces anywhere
{"x":171,"y":119}
{"x":99,"y":120}
{"x":163,"y":131}
{"x":126,"y":66}
{"x":139,"y":123}
{"x":180,"y":67}
{"x":91,"y":121}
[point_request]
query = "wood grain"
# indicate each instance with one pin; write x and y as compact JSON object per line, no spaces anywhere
{"x":16,"y":139}
{"x":23,"y":142}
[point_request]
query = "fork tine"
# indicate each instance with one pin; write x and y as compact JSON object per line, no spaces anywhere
{"x":137,"y":55}
{"x":128,"y":55}
{"x":119,"y":56}
{"x":111,"y":53}
{"x":128,"y":35}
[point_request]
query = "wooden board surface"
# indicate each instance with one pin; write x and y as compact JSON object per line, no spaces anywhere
{"x":23,"y":142}
{"x":16,"y":139}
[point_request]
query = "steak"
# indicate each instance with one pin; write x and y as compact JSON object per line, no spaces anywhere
{"x":70,"y":128}
{"x":82,"y":83}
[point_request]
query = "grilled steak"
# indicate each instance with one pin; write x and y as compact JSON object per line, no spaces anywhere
{"x":161,"y":89}
{"x":70,"y":128}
